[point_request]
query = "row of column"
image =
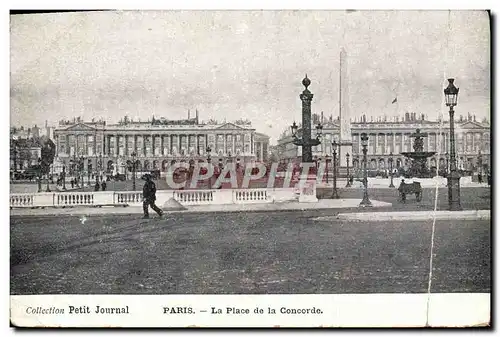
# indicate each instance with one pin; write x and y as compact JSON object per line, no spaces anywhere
{"x":260,"y":152}
{"x":110,"y":144}
{"x":233,"y":148}
{"x":168,"y":144}
{"x":402,"y":161}
{"x":81,"y":144}
{"x":463,"y":140}
{"x":375,"y":139}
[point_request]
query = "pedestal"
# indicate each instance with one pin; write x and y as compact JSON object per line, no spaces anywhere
{"x":308,"y":190}
{"x":454,"y":191}
{"x":345,"y":148}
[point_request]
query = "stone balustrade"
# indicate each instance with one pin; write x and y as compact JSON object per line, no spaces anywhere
{"x":127,"y":197}
{"x":73,"y":199}
{"x":21,"y":200}
{"x":251,"y":196}
{"x":134,"y":198}
{"x":203,"y":197}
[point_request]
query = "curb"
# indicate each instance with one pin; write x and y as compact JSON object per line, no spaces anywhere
{"x":81,"y":212}
{"x":416,"y":215}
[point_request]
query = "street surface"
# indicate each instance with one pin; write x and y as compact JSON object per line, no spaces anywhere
{"x":254,"y":253}
{"x":30,"y":187}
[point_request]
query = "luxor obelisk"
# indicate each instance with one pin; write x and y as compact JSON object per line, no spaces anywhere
{"x":344,"y":113}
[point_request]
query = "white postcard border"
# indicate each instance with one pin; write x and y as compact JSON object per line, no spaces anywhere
{"x":335,"y":310}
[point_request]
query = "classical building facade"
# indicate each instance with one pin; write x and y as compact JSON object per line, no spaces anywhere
{"x":261,"y":147}
{"x":153,"y":144}
{"x":385,"y":137}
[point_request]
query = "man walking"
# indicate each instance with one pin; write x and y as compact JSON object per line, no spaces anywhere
{"x":149,"y":197}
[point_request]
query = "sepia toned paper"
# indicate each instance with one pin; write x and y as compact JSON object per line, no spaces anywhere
{"x":250,"y":168}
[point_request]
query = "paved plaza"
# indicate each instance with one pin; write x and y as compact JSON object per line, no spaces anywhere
{"x":255,"y":253}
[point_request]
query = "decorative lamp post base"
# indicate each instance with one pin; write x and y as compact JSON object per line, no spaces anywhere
{"x":365,"y":202}
{"x":391,"y":184}
{"x":453,"y":181}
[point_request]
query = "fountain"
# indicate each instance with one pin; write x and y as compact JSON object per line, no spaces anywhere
{"x":419,"y":157}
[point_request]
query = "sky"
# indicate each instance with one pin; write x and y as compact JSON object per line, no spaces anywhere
{"x":244,"y":64}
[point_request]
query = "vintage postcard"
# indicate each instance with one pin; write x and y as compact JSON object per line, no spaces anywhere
{"x":250,"y":168}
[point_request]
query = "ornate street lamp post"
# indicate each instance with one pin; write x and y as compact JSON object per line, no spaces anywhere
{"x":81,"y":172}
{"x":391,"y":168}
{"x":64,"y":177}
{"x":335,"y":194}
{"x":100,"y":167}
{"x":447,"y":163}
{"x":209,"y":161}
{"x":133,"y":154}
{"x":306,"y":142}
{"x":348,"y":175}
{"x":451,"y":95}
{"x":366,"y":201}
{"x":89,"y":169}
{"x":39,"y":171}
{"x":48,"y":173}
{"x":74,"y":172}
{"x":480,"y":163}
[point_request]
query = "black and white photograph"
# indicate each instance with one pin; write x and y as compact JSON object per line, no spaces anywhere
{"x":250,"y":168}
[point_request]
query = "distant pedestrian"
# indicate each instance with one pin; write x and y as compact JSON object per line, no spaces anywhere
{"x":72,"y":183}
{"x":149,"y":197}
{"x":96,"y":186}
{"x":480,"y":178}
{"x":103,"y":186}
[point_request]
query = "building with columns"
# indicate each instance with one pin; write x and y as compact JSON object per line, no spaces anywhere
{"x":156,"y":143}
{"x":261,"y":147}
{"x":472,"y":141}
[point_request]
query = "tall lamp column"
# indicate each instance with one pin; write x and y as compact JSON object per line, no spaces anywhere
{"x":451,"y":95}
{"x":209,"y":161}
{"x":39,"y":174}
{"x":133,"y":169}
{"x":348,"y":173}
{"x":391,"y":168}
{"x":81,"y":172}
{"x":335,"y":194}
{"x":48,"y":173}
{"x":306,"y":142}
{"x":366,"y":201}
{"x":480,"y":165}
{"x":64,"y":177}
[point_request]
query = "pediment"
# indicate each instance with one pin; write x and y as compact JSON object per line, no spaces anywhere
{"x":229,"y":126}
{"x":80,"y":127}
{"x":329,"y":125}
{"x":472,"y":125}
